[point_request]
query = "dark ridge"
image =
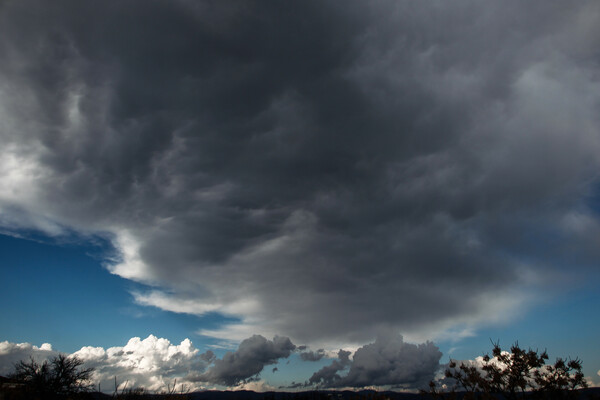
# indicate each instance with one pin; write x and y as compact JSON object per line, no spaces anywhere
{"x":583,"y":394}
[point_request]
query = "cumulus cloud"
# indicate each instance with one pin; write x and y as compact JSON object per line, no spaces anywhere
{"x":389,"y":361}
{"x":245,"y":364}
{"x":322,"y":171}
{"x":328,"y":375}
{"x":12,"y":353}
{"x":151,"y":363}
{"x":154,"y":363}
{"x":209,"y":356}
{"x":591,"y":383}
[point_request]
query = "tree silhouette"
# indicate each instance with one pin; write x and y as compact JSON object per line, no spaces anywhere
{"x":63,"y":375}
{"x":513,"y":375}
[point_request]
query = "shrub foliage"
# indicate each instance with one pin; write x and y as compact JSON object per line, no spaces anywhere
{"x":517,"y":374}
{"x":62,"y":375}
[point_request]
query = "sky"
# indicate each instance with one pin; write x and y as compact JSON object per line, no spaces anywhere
{"x":295,"y":195}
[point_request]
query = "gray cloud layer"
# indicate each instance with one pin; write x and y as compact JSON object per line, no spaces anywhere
{"x":248,"y":360}
{"x":389,"y":361}
{"x":328,"y":375}
{"x":312,"y":355}
{"x":322,"y":171}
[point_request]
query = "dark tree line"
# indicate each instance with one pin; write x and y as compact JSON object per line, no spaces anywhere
{"x":60,"y":377}
{"x":518,"y":374}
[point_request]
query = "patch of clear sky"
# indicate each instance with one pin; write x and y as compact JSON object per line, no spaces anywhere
{"x":61,"y":294}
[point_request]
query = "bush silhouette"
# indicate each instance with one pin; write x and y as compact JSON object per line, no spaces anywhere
{"x":62,"y":376}
{"x":517,"y":374}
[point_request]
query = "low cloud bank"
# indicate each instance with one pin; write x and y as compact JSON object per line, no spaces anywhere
{"x":248,"y":361}
{"x":389,"y":361}
{"x":328,"y":375}
{"x":153,"y":363}
{"x":12,"y":353}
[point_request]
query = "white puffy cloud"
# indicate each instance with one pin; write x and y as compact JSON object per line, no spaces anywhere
{"x":12,"y":353}
{"x":154,"y":363}
{"x":591,"y":383}
{"x":151,"y":363}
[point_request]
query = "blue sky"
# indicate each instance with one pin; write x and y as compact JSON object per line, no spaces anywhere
{"x":60,"y":293}
{"x":206,"y":191}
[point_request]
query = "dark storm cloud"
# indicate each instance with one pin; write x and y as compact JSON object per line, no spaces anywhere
{"x":321,"y":171}
{"x":248,"y":360}
{"x":389,"y":361}
{"x":328,"y":376}
{"x":312,"y":355}
{"x":208,"y":357}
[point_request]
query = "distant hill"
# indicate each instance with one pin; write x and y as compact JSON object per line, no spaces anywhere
{"x":587,"y":394}
{"x":584,"y":394}
{"x":308,"y":395}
